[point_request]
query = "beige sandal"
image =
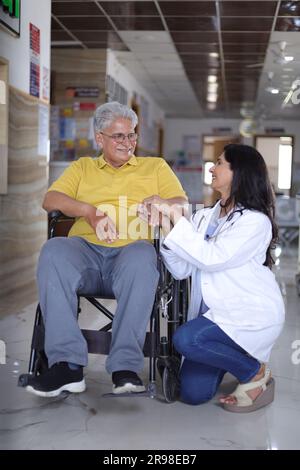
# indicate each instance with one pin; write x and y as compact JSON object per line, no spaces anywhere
{"x":244,"y":403}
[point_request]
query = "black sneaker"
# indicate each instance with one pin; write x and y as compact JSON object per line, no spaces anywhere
{"x":57,"y":379}
{"x":125,"y":381}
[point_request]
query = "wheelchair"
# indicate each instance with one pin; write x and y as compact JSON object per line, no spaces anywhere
{"x":169,"y":311}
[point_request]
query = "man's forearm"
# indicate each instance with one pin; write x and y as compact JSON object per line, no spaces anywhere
{"x":54,"y":200}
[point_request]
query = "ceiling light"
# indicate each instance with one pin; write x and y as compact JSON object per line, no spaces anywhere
{"x":211,"y":106}
{"x":212,"y":97}
{"x":273,"y":90}
{"x":289,"y":58}
{"x":212,"y":78}
{"x":291,"y":6}
{"x":212,"y":87}
{"x":214,"y":54}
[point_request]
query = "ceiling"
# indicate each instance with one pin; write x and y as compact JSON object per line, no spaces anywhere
{"x":195,"y":58}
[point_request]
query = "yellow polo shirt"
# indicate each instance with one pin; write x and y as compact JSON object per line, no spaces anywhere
{"x":117,"y":191}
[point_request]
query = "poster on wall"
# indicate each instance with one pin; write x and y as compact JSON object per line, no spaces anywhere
{"x":34,"y":60}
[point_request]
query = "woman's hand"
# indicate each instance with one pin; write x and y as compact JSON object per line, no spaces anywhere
{"x":158,"y":211}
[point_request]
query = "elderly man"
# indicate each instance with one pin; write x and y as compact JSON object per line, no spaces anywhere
{"x":108,"y":251}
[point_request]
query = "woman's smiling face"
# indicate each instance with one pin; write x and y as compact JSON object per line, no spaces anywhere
{"x":222,"y":176}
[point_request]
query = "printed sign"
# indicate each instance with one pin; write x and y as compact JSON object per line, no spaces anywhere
{"x":34,"y":60}
{"x":82,"y":92}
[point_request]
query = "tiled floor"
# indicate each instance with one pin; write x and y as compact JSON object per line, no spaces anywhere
{"x":90,"y":421}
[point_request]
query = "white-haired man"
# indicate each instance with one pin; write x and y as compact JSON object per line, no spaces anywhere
{"x":108,"y":251}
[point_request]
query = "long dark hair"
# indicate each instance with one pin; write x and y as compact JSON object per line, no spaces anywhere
{"x":251,"y":187}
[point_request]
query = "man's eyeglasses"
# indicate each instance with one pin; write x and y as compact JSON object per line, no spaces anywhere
{"x":120,"y":138}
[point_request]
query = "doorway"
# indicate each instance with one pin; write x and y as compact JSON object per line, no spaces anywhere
{"x":277,"y":152}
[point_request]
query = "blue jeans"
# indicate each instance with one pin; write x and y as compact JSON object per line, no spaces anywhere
{"x":209,"y":353}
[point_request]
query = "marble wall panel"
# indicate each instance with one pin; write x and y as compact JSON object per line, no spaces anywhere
{"x":23,"y":222}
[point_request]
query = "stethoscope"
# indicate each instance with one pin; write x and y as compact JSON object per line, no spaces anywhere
{"x":221,"y":228}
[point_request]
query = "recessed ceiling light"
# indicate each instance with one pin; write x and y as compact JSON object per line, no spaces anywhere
{"x":212,"y":78}
{"x":212,"y":87}
{"x":212,"y":97}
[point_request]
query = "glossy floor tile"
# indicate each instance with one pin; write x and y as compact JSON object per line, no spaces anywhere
{"x":90,"y":421}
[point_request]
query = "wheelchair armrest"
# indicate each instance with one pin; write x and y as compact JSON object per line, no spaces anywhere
{"x":57,"y":218}
{"x":55,"y":214}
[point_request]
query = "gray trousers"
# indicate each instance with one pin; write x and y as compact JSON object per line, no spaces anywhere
{"x":70,"y":266}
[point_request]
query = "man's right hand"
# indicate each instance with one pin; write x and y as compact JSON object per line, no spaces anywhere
{"x":102,"y":225}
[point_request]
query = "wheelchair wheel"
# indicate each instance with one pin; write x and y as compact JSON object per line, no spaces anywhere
{"x":170,"y":380}
{"x":40,"y":366}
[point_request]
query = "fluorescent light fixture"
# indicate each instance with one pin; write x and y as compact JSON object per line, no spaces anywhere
{"x":212,"y":87}
{"x":289,"y":58}
{"x":212,"y":97}
{"x":212,"y":78}
{"x":214,"y":54}
{"x":273,"y":90}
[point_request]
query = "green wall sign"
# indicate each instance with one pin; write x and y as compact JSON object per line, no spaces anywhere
{"x":10,"y":13}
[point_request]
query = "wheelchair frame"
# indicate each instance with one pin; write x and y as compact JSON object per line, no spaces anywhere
{"x":169,"y":307}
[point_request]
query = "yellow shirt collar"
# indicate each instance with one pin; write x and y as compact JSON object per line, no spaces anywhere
{"x":131,"y":161}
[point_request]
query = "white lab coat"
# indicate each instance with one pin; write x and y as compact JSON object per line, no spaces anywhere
{"x":243,"y":297}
